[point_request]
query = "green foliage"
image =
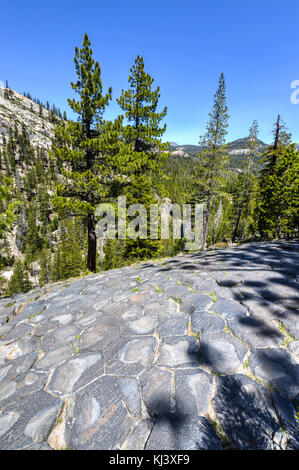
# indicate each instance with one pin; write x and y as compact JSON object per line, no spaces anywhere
{"x":213,"y":157}
{"x":48,"y":200}
{"x":244,"y":189}
{"x":19,"y":281}
{"x":146,"y":154}
{"x":34,"y":242}
{"x":83,"y":149}
{"x":277,"y":196}
{"x":68,"y":258}
{"x":45,"y":268}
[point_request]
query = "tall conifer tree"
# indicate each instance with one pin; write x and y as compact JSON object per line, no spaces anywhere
{"x":246,"y":179}
{"x":146,"y":152}
{"x":77,"y":148}
{"x":214,"y":153}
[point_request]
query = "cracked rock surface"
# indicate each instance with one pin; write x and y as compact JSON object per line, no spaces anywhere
{"x":195,"y":352}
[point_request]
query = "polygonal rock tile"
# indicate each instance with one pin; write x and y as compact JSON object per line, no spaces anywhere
{"x":161,"y":309}
{"x":139,"y":299}
{"x":222,"y":353}
{"x":30,"y":309}
{"x":130,"y":356}
{"x":59,"y":337}
{"x":229,"y":279}
{"x":143,"y":325}
{"x":4,"y":330}
{"x":256,"y":332}
{"x":54,"y":358}
{"x":29,"y":420}
{"x":228,"y":309}
{"x":179,"y":351}
{"x":97,"y":418}
{"x":287,"y":296}
{"x":63,"y":318}
{"x":193,"y":302}
{"x":175,"y":290}
{"x":262,"y":308}
{"x":18,"y":348}
{"x":175,"y":431}
{"x":19,"y":331}
{"x":291,"y":323}
{"x":18,"y":366}
{"x":293,"y":348}
{"x":100,"y":334}
{"x":243,"y":414}
{"x":76,"y":373}
{"x":132,"y":314}
{"x":156,"y":390}
{"x":276,"y":366}
{"x":130,"y":392}
{"x":175,"y":325}
{"x":204,"y":323}
{"x":193,"y":390}
{"x":139,"y":436}
{"x":24,"y":384}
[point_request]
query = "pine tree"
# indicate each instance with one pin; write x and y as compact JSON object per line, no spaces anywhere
{"x":70,"y":260}
{"x":44,"y":275}
{"x":55,"y":268}
{"x":33,"y":239}
{"x":246,"y":180}
{"x":19,"y":281}
{"x":146,"y":154}
{"x":265,"y":193}
{"x":213,"y":156}
{"x":77,"y":148}
{"x":277,"y":196}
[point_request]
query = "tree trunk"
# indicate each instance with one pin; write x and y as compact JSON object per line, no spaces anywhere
{"x":92,"y":243}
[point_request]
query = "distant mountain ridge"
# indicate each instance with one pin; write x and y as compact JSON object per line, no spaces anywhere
{"x":237,"y":149}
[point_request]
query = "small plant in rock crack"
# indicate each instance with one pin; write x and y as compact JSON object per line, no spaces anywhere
{"x":213,"y":296}
{"x":158,"y":290}
{"x":75,"y":345}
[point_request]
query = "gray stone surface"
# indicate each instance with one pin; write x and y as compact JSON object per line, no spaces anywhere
{"x":223,"y":353}
{"x":256,"y":333}
{"x":29,"y":420}
{"x":177,"y":432}
{"x":277,"y":367}
{"x":205,"y":323}
{"x":180,"y":351}
{"x":193,"y":390}
{"x":156,"y":390}
{"x":244,"y":416}
{"x":195,"y":352}
{"x":97,"y":418}
{"x":228,"y":309}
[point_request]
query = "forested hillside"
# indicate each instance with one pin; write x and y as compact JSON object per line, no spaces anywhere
{"x":55,"y":171}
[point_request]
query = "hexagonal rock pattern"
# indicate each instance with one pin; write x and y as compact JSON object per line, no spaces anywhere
{"x":196,"y":352}
{"x":243,"y":414}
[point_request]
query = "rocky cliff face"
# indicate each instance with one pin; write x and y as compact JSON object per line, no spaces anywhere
{"x":237,"y":150}
{"x":17,"y":110}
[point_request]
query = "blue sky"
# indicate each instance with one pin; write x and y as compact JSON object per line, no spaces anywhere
{"x":185,"y":44}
